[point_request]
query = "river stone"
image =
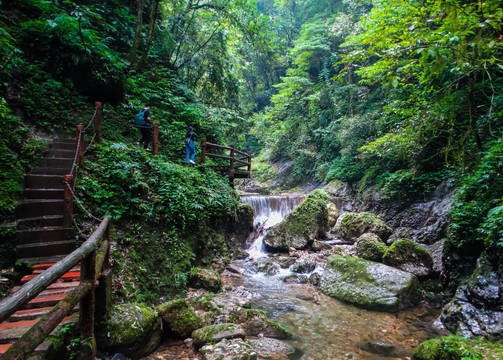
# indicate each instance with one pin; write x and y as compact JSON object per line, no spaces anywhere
{"x":235,"y":349}
{"x":296,"y":279}
{"x":377,"y":347}
{"x":215,"y":333}
{"x":476,"y":309}
{"x":333,"y":214}
{"x":305,"y":265}
{"x":268,"y":266}
{"x":273,"y":349}
{"x":368,"y":284}
{"x":133,"y":329}
{"x":285,"y":261}
{"x":320,"y":246}
{"x":370,"y":247}
{"x":180,"y":317}
{"x":353,"y":225}
{"x":205,"y":279}
{"x":255,"y":322}
{"x":308,"y":222}
{"x":406,"y":255}
{"x":455,"y":347}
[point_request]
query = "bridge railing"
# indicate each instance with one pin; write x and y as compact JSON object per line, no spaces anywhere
{"x":93,"y":258}
{"x":237,"y":159}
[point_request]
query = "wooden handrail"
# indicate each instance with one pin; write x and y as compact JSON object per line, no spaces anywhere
{"x":235,"y":162}
{"x":32,"y":288}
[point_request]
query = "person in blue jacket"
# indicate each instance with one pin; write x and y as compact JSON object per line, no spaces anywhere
{"x":190,"y":147}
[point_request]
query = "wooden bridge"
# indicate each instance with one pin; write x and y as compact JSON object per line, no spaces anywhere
{"x":237,"y":160}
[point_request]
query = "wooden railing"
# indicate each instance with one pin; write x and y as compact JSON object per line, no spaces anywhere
{"x":94,"y":261}
{"x":237,"y":159}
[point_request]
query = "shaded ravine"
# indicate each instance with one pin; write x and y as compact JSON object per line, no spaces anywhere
{"x":323,"y":327}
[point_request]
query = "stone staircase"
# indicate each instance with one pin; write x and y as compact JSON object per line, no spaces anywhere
{"x":43,"y":239}
{"x":41,"y":230}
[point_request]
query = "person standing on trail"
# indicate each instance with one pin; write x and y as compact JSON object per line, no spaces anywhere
{"x":146,"y":131}
{"x":190,"y":146}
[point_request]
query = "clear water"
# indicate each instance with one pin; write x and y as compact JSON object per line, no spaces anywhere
{"x":323,"y":327}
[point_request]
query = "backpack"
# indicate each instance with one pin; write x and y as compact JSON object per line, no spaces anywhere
{"x":139,"y":119}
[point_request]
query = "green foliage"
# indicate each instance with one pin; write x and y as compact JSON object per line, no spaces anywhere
{"x":476,"y":213}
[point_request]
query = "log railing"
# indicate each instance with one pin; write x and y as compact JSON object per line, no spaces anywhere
{"x":94,"y":260}
{"x":237,"y":159}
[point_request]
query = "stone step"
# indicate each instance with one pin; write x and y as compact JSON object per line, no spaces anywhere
{"x":44,"y":234}
{"x":46,"y":249}
{"x":41,"y":260}
{"x":45,"y":170}
{"x":39,"y":269}
{"x":31,"y":193}
{"x":39,"y":207}
{"x":65,"y":144}
{"x":56,"y":163}
{"x":60,"y":153}
{"x":57,"y":286}
{"x":40,"y":181}
{"x":40,"y":221}
{"x":69,"y":276}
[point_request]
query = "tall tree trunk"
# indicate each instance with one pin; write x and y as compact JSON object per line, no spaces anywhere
{"x":151,"y":25}
{"x":137,"y":32}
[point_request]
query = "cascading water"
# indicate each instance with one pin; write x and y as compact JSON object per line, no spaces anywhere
{"x":269,"y":211}
{"x":323,"y":327}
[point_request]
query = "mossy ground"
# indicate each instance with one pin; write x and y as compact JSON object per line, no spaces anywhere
{"x":456,"y":348}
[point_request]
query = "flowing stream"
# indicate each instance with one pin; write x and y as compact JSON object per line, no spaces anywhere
{"x":323,"y":327}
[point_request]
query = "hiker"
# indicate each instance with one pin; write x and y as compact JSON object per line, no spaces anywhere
{"x":146,"y":130}
{"x":190,"y":146}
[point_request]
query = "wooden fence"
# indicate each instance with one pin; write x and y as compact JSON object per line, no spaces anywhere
{"x":237,"y":159}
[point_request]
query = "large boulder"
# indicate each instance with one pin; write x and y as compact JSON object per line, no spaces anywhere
{"x":273,"y":349}
{"x":476,"y":309}
{"x":239,"y":227}
{"x":406,"y":255}
{"x":216,"y":333}
{"x":132,"y":329}
{"x":455,"y":347}
{"x":180,"y":317}
{"x":333,"y":214}
{"x":370,"y":247}
{"x":368,"y":284}
{"x":205,"y":279}
{"x":255,"y":322}
{"x":235,"y":349}
{"x":308,"y":222}
{"x":306,"y":264}
{"x":353,"y":225}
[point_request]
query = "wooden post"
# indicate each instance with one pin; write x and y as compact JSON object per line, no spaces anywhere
{"x":87,"y":305}
{"x":231,"y":168}
{"x":249,"y":164}
{"x":98,"y":121}
{"x":68,"y":207}
{"x":156,"y":138}
{"x":79,"y":134}
{"x":203,"y":147}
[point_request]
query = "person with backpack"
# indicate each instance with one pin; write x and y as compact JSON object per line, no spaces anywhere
{"x":190,"y":146}
{"x":142,"y":122}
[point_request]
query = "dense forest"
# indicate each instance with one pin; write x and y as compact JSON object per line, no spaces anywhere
{"x":389,"y":99}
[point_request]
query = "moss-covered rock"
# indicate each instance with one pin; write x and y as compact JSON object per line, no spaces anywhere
{"x":255,"y":322}
{"x":457,"y":348}
{"x":406,"y":255}
{"x":370,"y":247}
{"x":205,"y":279}
{"x":368,"y":284}
{"x":180,"y":317}
{"x":273,"y":349}
{"x":308,"y":222}
{"x":216,"y":333}
{"x":333,"y":214}
{"x":235,"y":349}
{"x":306,"y":264}
{"x":268,"y":266}
{"x":320,"y":246}
{"x":353,"y":225}
{"x":239,"y":227}
{"x":132,"y":329}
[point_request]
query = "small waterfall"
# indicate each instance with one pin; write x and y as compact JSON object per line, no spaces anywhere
{"x":269,"y":211}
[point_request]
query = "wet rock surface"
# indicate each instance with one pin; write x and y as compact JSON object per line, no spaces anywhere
{"x":215,"y":333}
{"x":370,"y":247}
{"x":205,"y":279}
{"x":353,"y":225}
{"x":368,"y":284}
{"x":273,"y":349}
{"x":408,"y":256}
{"x":180,"y":317}
{"x":235,"y":349}
{"x":308,"y":222}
